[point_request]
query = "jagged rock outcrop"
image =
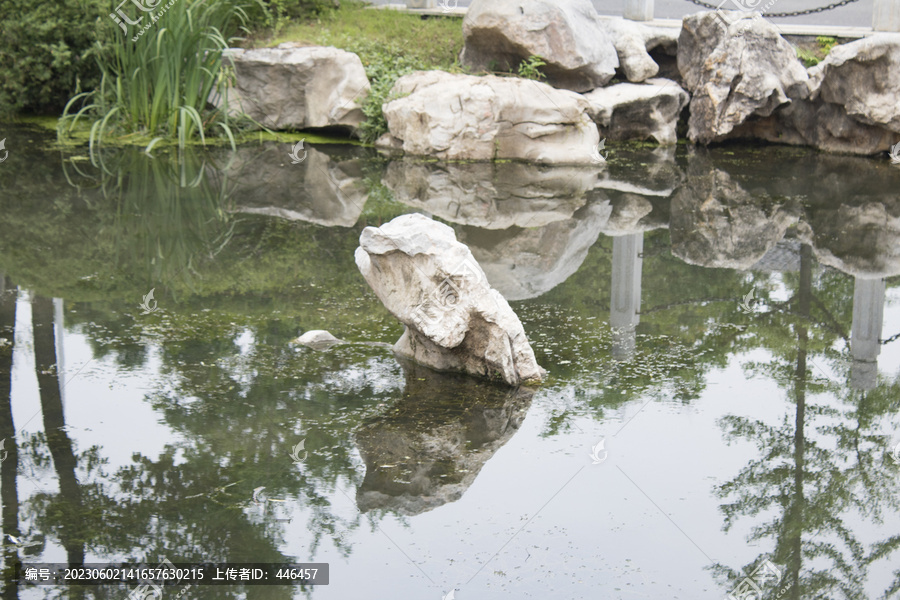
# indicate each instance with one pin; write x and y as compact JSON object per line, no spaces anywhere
{"x":734,"y":73}
{"x":864,"y":78}
{"x":634,"y":41}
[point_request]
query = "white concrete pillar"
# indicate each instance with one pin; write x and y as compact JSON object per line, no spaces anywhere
{"x":625,"y":296}
{"x":640,"y":10}
{"x":885,"y":15}
{"x":868,"y":318}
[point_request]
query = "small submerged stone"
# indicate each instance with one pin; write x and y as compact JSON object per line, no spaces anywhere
{"x":318,"y":339}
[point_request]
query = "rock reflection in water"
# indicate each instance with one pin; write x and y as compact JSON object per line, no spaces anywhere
{"x":322,"y":189}
{"x":715,"y":222}
{"x":491,"y":195}
{"x":430,"y":446}
{"x":527,"y":263}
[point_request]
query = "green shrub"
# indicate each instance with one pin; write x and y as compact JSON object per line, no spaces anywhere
{"x":383,"y":68}
{"x":531,"y":68}
{"x":46,"y":52}
{"x":275,"y":14}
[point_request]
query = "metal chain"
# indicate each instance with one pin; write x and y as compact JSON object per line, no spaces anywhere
{"x":796,"y":13}
{"x":893,"y":338}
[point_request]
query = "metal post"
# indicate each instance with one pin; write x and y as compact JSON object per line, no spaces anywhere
{"x":642,"y":10}
{"x":886,"y":15}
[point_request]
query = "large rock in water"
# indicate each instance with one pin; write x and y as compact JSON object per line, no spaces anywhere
{"x":291,"y":87}
{"x":463,"y":117}
{"x":500,"y":34}
{"x":628,"y":111}
{"x":852,"y":106}
{"x":863,"y":77}
{"x":454,"y":320}
{"x":745,"y":70}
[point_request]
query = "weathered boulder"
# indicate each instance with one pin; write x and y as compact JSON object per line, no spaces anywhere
{"x":733,"y":73}
{"x":463,"y":117}
{"x":320,"y":189}
{"x":851,"y":107}
{"x":297,"y":87}
{"x":634,"y":41}
{"x":500,"y":34}
{"x":627,"y":111}
{"x":494,"y":195}
{"x":864,"y":78}
{"x":819,"y":124}
{"x":454,"y":320}
{"x":450,"y":426}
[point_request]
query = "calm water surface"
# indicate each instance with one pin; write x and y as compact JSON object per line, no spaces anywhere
{"x":722,"y":321}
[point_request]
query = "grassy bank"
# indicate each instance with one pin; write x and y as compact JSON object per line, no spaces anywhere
{"x":151,"y":110}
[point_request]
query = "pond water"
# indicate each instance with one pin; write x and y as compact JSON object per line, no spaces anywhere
{"x":722,"y":321}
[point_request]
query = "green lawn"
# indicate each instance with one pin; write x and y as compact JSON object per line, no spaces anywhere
{"x":389,"y":44}
{"x":429,"y":42}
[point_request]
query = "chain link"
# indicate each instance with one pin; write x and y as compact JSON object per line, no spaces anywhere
{"x":893,"y":338}
{"x":796,"y":13}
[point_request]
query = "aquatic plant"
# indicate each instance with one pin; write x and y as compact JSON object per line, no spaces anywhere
{"x":156,"y":80}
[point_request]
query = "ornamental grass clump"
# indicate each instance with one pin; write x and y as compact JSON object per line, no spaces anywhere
{"x":157,"y":76}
